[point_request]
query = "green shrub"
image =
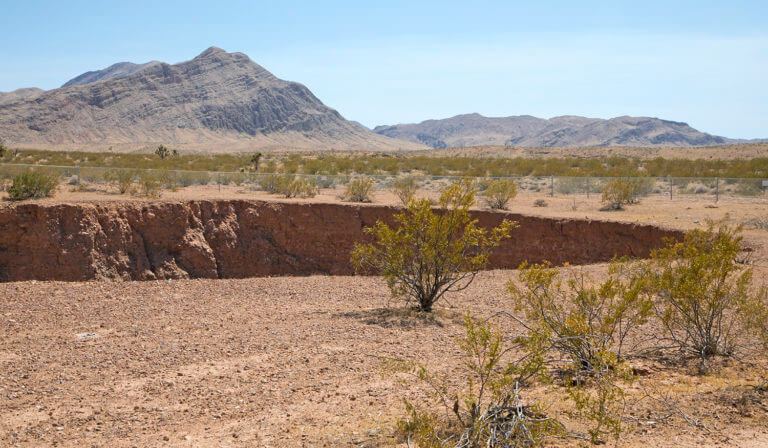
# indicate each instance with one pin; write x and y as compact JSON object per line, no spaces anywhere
{"x":487,"y":412}
{"x":618,"y":193}
{"x":359,"y":190}
{"x":430,"y":253}
{"x":162,"y":152}
{"x":702,"y":291}
{"x":586,"y":325}
{"x":405,"y":188}
{"x":123,"y":178}
{"x":33,"y":183}
{"x":499,"y":192}
{"x":151,"y":183}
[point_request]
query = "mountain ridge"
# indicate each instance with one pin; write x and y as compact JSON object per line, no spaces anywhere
{"x":561,"y":131}
{"x":215,"y":102}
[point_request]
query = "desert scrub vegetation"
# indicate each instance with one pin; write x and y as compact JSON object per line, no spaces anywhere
{"x":288,"y":185}
{"x":430,"y":252}
{"x":620,"y":192}
{"x":498,"y":193}
{"x":122,"y":178}
{"x":333,"y":164}
{"x":405,"y":188}
{"x":488,"y":411}
{"x":33,"y":184}
{"x":703,"y":296}
{"x":359,"y":189}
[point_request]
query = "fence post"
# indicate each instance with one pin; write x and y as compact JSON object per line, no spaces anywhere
{"x":587,"y":188}
{"x":219,"y":181}
{"x":717,"y":189}
{"x":78,"y":176}
{"x":552,"y":186}
{"x":669,"y":180}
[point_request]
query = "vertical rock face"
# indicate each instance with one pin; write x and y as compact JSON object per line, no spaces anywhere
{"x":235,"y":239}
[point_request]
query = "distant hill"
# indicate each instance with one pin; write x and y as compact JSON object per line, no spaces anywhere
{"x":565,"y":131}
{"x":18,"y":94}
{"x":119,"y":70}
{"x":216,"y":102}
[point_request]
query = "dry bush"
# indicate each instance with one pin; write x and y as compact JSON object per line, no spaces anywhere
{"x":430,"y":253}
{"x":498,"y":193}
{"x":359,"y":190}
{"x":33,"y":183}
{"x":405,"y":188}
{"x":150,"y":184}
{"x":540,"y":203}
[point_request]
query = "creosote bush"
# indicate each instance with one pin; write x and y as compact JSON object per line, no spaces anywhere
{"x":488,"y":411}
{"x":585,"y":324}
{"x":430,"y":252}
{"x":702,"y":294}
{"x":405,"y":188}
{"x":288,"y":185}
{"x":359,"y":190}
{"x":123,"y":178}
{"x":617,"y":194}
{"x":498,"y":193}
{"x":31,"y":184}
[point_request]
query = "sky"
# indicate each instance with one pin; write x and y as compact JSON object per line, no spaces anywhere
{"x":387,"y":62}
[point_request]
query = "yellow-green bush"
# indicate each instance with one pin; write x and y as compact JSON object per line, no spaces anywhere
{"x":359,"y":190}
{"x":498,"y":193}
{"x":32,"y":184}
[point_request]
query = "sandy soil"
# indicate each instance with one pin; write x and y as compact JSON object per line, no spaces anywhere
{"x":298,"y":361}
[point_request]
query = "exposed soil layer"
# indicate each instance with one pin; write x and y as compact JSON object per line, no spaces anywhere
{"x":238,"y":239}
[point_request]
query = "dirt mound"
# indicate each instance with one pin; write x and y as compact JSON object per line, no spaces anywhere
{"x":237,"y":239}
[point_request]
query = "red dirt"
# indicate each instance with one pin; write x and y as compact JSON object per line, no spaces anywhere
{"x":238,"y":239}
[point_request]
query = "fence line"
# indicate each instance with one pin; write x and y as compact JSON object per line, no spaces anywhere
{"x":545,"y":185}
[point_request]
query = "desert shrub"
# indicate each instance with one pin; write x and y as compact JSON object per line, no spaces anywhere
{"x":617,"y":193}
{"x":405,"y":188}
{"x":701,"y":291}
{"x":302,"y":188}
{"x":430,"y":252}
{"x":189,"y":178}
{"x":487,"y":411}
{"x":3,"y":148}
{"x":749,"y":187}
{"x":271,"y":182}
{"x":150,"y":183}
{"x":540,"y":203}
{"x":237,"y":179}
{"x":586,"y":325}
{"x":583,"y":320}
{"x":359,"y":190}
{"x":570,"y":185}
{"x":123,"y":178}
{"x":33,"y":183}
{"x":499,"y":192}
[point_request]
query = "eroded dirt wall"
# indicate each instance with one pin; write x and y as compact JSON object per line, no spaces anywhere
{"x":231,"y":239}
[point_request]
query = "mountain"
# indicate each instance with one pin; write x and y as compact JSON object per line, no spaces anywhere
{"x":525,"y":130}
{"x":18,"y":94}
{"x":216,"y":102}
{"x":119,"y":70}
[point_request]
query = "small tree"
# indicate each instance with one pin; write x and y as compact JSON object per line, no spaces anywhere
{"x":499,"y":193}
{"x":162,"y":152}
{"x":254,"y":161}
{"x":430,"y":252}
{"x":701,"y":291}
{"x":405,"y":188}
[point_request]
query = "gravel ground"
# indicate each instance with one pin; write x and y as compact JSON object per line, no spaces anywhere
{"x":266,"y":362}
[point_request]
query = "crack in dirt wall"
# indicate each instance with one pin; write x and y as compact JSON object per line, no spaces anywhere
{"x":236,"y":238}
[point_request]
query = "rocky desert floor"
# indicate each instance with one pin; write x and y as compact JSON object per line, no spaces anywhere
{"x":298,"y":361}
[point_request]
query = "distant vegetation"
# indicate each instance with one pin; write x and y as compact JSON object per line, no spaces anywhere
{"x":335,"y":163}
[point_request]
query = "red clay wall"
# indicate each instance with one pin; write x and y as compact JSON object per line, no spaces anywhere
{"x":230,"y":239}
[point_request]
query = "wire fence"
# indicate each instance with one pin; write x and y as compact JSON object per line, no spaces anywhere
{"x":671,"y":187}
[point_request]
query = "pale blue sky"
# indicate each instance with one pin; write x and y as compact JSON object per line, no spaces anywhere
{"x":702,"y":62}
